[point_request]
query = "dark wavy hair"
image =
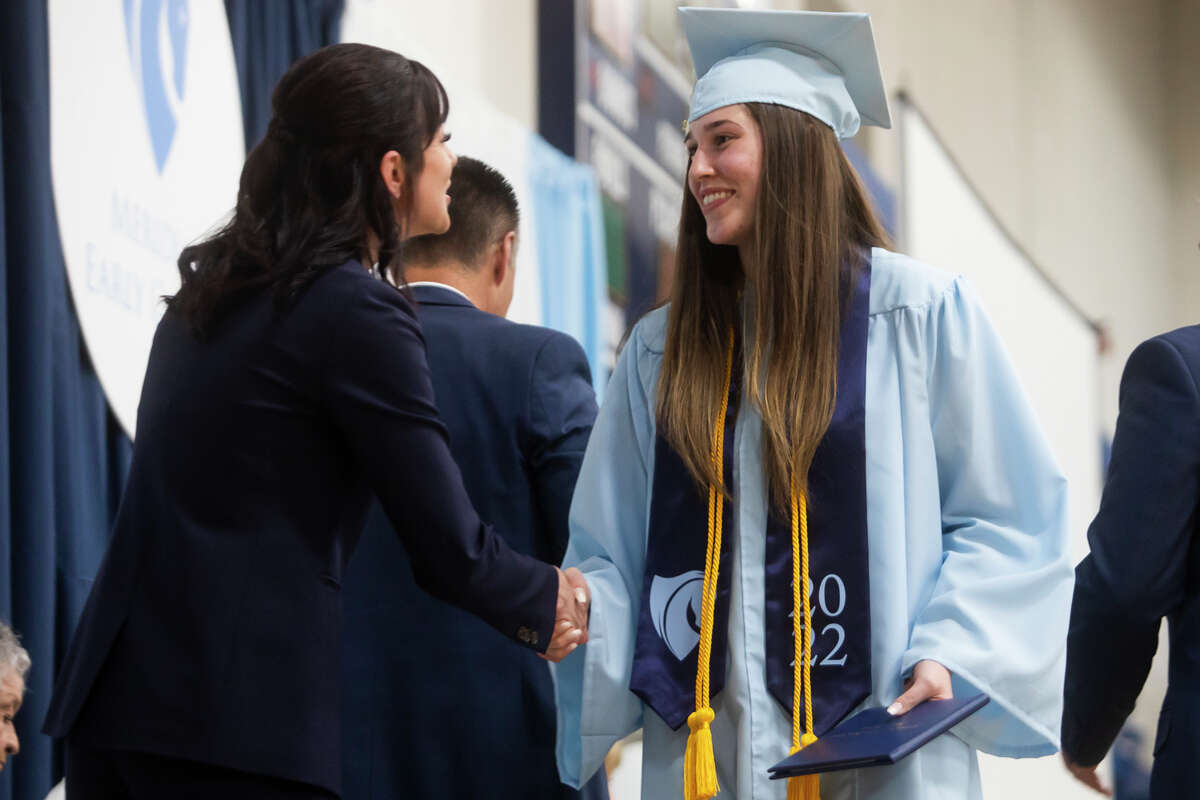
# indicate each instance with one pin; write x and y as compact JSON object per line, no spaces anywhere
{"x":311,"y":195}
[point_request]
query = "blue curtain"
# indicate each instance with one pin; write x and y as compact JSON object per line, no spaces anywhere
{"x":268,"y":35}
{"x":63,"y":457}
{"x":570,"y":248}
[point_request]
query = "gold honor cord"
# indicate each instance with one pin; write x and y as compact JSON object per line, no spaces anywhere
{"x":699,"y":764}
{"x":802,"y":787}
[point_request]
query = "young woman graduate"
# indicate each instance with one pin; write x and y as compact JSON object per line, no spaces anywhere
{"x":814,"y":468}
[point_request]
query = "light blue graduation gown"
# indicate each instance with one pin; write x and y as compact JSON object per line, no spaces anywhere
{"x":967,"y":531}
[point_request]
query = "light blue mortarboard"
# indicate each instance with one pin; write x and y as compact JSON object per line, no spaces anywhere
{"x":821,"y":63}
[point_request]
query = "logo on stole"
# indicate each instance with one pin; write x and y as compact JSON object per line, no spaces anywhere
{"x":156,"y":35}
{"x":675,"y":609}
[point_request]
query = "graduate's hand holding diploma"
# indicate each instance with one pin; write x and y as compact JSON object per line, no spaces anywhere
{"x":571,"y":617}
{"x":929,"y":681}
{"x":875,"y":737}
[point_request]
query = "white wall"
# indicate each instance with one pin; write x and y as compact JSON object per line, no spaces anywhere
{"x":486,"y":46}
{"x":1058,"y":111}
{"x":1183,"y":82}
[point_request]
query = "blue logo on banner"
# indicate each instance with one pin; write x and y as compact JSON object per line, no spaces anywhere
{"x":151,"y":25}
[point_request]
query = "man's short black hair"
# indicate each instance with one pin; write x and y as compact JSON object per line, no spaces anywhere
{"x":483,"y":209}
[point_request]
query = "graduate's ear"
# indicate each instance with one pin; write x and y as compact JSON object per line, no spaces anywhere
{"x":391,"y":169}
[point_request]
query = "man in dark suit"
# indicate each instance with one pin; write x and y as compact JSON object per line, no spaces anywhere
{"x":1144,"y":565}
{"x":519,"y":406}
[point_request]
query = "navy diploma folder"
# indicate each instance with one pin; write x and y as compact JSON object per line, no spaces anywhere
{"x":872,"y":737}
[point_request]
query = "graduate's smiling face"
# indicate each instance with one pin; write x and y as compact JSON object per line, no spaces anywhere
{"x":724,"y":170}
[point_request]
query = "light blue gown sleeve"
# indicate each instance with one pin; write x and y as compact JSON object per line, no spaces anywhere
{"x":998,"y":611}
{"x":608,"y":520}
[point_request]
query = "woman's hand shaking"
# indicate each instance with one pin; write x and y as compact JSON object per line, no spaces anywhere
{"x":571,"y":615}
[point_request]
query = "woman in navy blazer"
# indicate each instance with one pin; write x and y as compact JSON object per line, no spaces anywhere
{"x":286,"y":384}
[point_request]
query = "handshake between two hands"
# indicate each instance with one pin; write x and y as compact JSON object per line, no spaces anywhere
{"x":571,"y":615}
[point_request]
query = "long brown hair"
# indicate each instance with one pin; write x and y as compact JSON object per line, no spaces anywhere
{"x":812,"y":222}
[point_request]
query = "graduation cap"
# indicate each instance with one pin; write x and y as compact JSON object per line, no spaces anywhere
{"x":821,"y":63}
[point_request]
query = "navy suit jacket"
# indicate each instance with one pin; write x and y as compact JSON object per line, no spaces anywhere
{"x":519,"y":404}
{"x":213,"y":630}
{"x":1144,"y":565}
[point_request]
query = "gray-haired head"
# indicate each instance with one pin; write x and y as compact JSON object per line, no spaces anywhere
{"x":12,"y":654}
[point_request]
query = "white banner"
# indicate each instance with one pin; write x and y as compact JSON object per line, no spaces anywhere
{"x":146,"y":150}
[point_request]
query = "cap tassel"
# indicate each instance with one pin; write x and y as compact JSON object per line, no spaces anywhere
{"x":699,"y":765}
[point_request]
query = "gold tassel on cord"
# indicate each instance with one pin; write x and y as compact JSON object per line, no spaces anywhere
{"x":699,"y":762}
{"x":804,"y":787}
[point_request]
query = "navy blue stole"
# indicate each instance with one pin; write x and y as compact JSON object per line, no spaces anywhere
{"x":668,"y":636}
{"x":666,"y":648}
